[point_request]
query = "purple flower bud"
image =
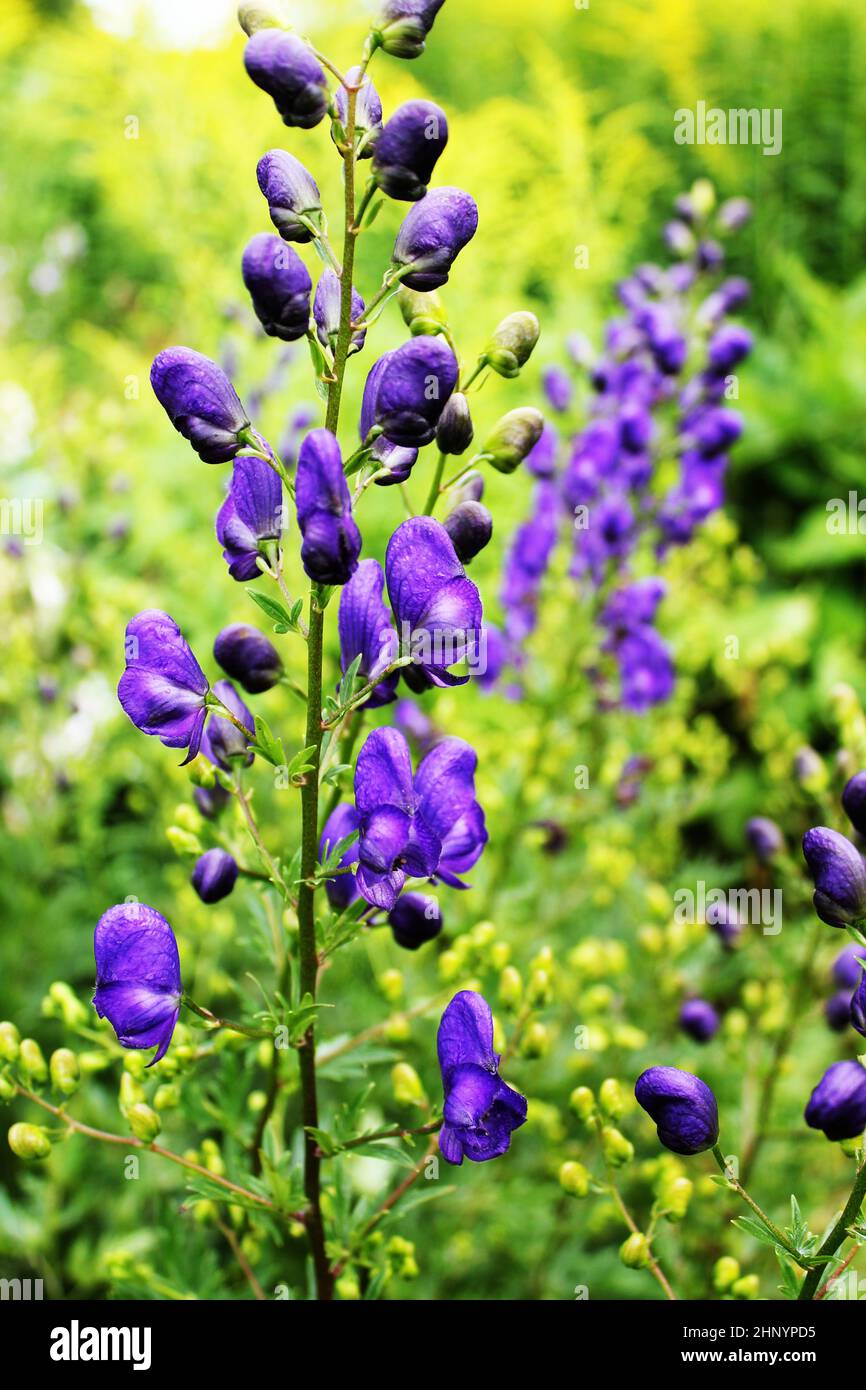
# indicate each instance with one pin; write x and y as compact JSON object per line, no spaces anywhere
{"x":838,"y":1011}
{"x":470,"y":527}
{"x":854,"y":801}
{"x":404,"y":26}
{"x":326,"y":309}
{"x":342,"y":822}
{"x":288,"y":70}
{"x":734,"y":214}
{"x":765,"y":838}
{"x":279,"y":285}
{"x":712,"y":431}
{"x":541,"y":459}
{"x":214,"y":875}
{"x":201,"y":403}
{"x":412,"y":390}
{"x":725,"y":923}
{"x":839,"y":876}
{"x":163,"y":688}
{"x":455,"y":430}
{"x":368,"y":112}
{"x":728,"y":347}
{"x":480,"y":1111}
{"x":222,"y":740}
{"x":635,"y":606}
{"x":558,"y":388}
{"x":635,"y":427}
{"x":138,"y":986}
{"x":679,"y":238}
{"x":848,"y":967}
{"x":366,"y":631}
{"x":857,"y":1013}
{"x":251,"y":514}
{"x":415,"y":920}
{"x":436,"y":608}
{"x":292,"y":195}
{"x":683,"y":1107}
{"x":734,"y":293}
{"x":710,"y":255}
{"x":211,"y":800}
{"x":332,"y":541}
{"x":397,"y":460}
{"x":699,"y":1019}
{"x":408,"y":149}
{"x":248,"y":657}
{"x":838,"y":1103}
{"x":433,"y":234}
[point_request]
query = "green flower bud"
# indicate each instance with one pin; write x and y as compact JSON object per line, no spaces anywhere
{"x":390,"y":983}
{"x":213,"y":1159}
{"x":749,"y":1287}
{"x":703,"y":196}
{"x":617,"y":1149}
{"x":675,"y":1197}
{"x":406,"y":1082}
{"x":9,"y":1041}
{"x":635,"y":1252}
{"x":512,"y":438}
{"x":574,"y":1179}
{"x":540,"y":988}
{"x":611,"y":1098}
{"x":182,"y":841}
{"x":144,"y":1122}
{"x":61,"y":1002}
{"x":582,"y":1103}
{"x":29,"y":1141}
{"x":167,"y":1096}
{"x":513,"y":343}
{"x":726,"y":1272}
{"x":131,"y":1093}
{"x":347,"y":1287}
{"x":423,"y":314}
{"x":263,"y":14}
{"x":32,"y":1062}
{"x":65,"y":1071}
{"x":535,"y":1042}
{"x":510,"y":987}
{"x":8,"y":1089}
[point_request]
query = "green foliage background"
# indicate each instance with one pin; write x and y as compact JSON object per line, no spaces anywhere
{"x":561,"y":127}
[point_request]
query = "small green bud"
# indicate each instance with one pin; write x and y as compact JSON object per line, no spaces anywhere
{"x":574,"y":1179}
{"x":726,"y":1272}
{"x":258,"y":15}
{"x":582,"y":1103}
{"x":635,"y":1252}
{"x":748,"y":1287}
{"x":617,"y":1149}
{"x":535,"y":1041}
{"x":65,"y":1071}
{"x":8,"y":1089}
{"x":512,"y":438}
{"x":167,"y":1096}
{"x":61,"y":1002}
{"x":32,"y":1062}
{"x":513,"y":343}
{"x":131,"y":1093}
{"x":675,"y":1197}
{"x":182,"y":841}
{"x":29,"y":1141}
{"x":611,"y":1098}
{"x":390,"y":982}
{"x":9,"y":1042}
{"x":703,"y":196}
{"x":144,"y":1122}
{"x":510,"y":987}
{"x":423,"y":314}
{"x":540,"y":988}
{"x":213,"y":1159}
{"x":347,"y":1288}
{"x":406,"y":1082}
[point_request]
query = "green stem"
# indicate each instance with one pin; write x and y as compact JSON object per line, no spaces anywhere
{"x":837,"y":1236}
{"x":750,"y":1201}
{"x":227,"y":1024}
{"x":432,"y":1127}
{"x":435,"y":486}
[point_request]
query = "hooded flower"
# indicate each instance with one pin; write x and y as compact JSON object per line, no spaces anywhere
{"x":248,"y":657}
{"x":415,"y":920}
{"x":222,"y":740}
{"x":368,"y":111}
{"x":214,"y":875}
{"x":412,"y":389}
{"x":838,"y":1103}
{"x":683,"y":1107}
{"x":395,"y":841}
{"x":332,"y":541}
{"x":699,"y":1019}
{"x":397,"y":460}
{"x":342,"y":821}
{"x":433,"y":234}
{"x":163,"y":688}
{"x":408,"y":149}
{"x":480,"y":1111}
{"x":470,"y":527}
{"x":854,"y":801}
{"x":436,"y":608}
{"x":279,"y":285}
{"x":326,"y":311}
{"x":138,"y":986}
{"x":251,"y":514}
{"x":366,"y":631}
{"x":201,"y":403}
{"x":839,"y":875}
{"x":292,"y":195}
{"x":445,"y":784}
{"x":287,"y":69}
{"x":405,"y":24}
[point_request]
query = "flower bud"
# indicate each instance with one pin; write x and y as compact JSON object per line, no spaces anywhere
{"x":455,"y":430}
{"x":749,"y":1287}
{"x":263,"y":14}
{"x":248,"y":657}
{"x":513,"y":343}
{"x":167,"y":1096}
{"x":839,"y":875}
{"x":432,"y":235}
{"x":287,"y":69}
{"x":512,"y":438}
{"x":535,"y":1041}
{"x":726,"y":1272}
{"x":390,"y":983}
{"x":510,"y":988}
{"x":65,"y":1071}
{"x":408,"y":1088}
{"x":408,"y":149}
{"x":61,"y":1002}
{"x":292,"y":195}
{"x":616,"y":1148}
{"x":582,"y":1103}
{"x":8,"y":1089}
{"x":854,"y":801}
{"x":32,"y":1062}
{"x":404,"y":26}
{"x":635,"y":1251}
{"x":279,"y":286}
{"x":144,"y":1122}
{"x":574,"y":1179}
{"x":29,"y":1141}
{"x":539,"y":990}
{"x":699,"y":1020}
{"x":131,"y":1092}
{"x":9,"y":1041}
{"x":423,"y":314}
{"x":675,"y":1196}
{"x":838,"y":1103}
{"x":611,"y":1098}
{"x":765,"y":838}
{"x":810,"y":770}
{"x":683,"y":1107}
{"x":470,"y":527}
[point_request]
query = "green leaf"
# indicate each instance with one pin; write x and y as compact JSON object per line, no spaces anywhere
{"x":266,"y":744}
{"x":282,"y":620}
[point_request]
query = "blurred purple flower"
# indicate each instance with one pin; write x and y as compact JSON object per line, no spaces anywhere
{"x":215,"y":875}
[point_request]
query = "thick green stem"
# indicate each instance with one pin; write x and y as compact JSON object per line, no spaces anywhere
{"x":837,"y":1236}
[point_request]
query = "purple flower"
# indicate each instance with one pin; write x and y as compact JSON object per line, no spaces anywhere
{"x":366,"y":631}
{"x":399,"y":461}
{"x":445,"y":783}
{"x":734,"y":214}
{"x":163,"y":688}
{"x":342,"y":822}
{"x":414,"y":724}
{"x":558,"y":388}
{"x":765,"y":838}
{"x":480,"y":1111}
{"x":839,"y":876}
{"x":433,"y":234}
{"x":683,"y":1107}
{"x":455,"y":430}
{"x":415,"y":920}
{"x":332,"y":541}
{"x":541,"y":460}
{"x":646,"y":670}
{"x":408,"y":149}
{"x":436,"y":608}
{"x":251,"y":514}
{"x":838,"y":1011}
{"x":728,"y":347}
{"x":858,"y":1006}
{"x":292,"y":195}
{"x":201,"y":403}
{"x":725,"y":923}
{"x":712,"y":431}
{"x":838,"y":1103}
{"x":848,"y":967}
{"x":412,"y":390}
{"x":470,"y":527}
{"x":138,"y":986}
{"x":635,"y":606}
{"x":214,"y":875}
{"x":405,"y":24}
{"x":248,"y":657}
{"x":288,"y":70}
{"x":699,"y":1019}
{"x":222,"y":740}
{"x":211,"y":800}
{"x":854,"y":801}
{"x":279,"y":285}
{"x":326,"y":310}
{"x":368,"y":112}
{"x":527,"y":562}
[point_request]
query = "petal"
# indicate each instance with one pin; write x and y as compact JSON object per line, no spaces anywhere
{"x":385,"y":835}
{"x":134,"y":943}
{"x":445,"y":783}
{"x":382,"y":890}
{"x":471,"y":1092}
{"x":465,"y":1034}
{"x":383,"y":775}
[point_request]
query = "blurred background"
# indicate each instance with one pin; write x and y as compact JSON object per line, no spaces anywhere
{"x":129,"y":137}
